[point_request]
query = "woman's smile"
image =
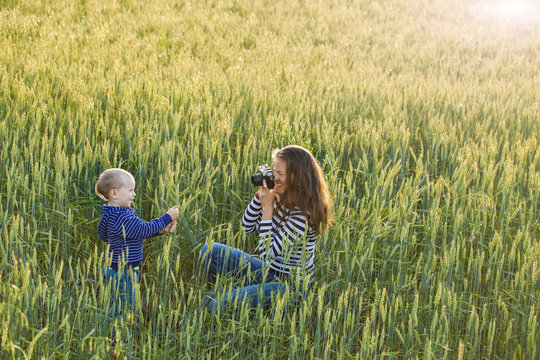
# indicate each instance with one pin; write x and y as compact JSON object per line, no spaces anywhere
{"x":280,"y":176}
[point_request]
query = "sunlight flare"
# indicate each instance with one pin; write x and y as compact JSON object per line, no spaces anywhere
{"x":513,"y":10}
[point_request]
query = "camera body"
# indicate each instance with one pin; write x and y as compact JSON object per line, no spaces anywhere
{"x":264,"y":173}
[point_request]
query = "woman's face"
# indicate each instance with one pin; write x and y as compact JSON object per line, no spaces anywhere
{"x":280,"y":176}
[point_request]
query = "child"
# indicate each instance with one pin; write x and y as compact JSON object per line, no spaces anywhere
{"x":122,"y":229}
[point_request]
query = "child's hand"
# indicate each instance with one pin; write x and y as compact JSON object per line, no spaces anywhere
{"x":172,"y":227}
{"x":173,"y":212}
{"x":169,"y":228}
{"x":165,"y":229}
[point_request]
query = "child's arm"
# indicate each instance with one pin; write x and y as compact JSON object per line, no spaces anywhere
{"x":135,"y":228}
{"x":102,"y":231}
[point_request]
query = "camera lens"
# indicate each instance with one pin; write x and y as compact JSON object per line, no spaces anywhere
{"x":257,"y":180}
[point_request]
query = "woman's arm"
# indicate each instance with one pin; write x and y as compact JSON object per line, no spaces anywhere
{"x":252,"y":216}
{"x":260,"y":209}
{"x":293,"y":230}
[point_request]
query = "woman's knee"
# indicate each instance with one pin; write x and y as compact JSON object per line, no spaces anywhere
{"x":210,"y":251}
{"x":204,"y":250}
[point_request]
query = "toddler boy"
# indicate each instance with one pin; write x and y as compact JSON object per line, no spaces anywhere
{"x":122,"y":229}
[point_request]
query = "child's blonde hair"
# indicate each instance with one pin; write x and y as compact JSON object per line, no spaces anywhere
{"x":110,"y":179}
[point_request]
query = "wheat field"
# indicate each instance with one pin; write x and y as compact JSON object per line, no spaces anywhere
{"x":424,"y":115}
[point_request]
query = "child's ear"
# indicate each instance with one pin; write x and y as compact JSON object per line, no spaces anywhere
{"x":112,"y":193}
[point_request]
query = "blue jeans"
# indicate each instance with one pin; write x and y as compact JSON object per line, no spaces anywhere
{"x":122,"y":296}
{"x":262,"y":285}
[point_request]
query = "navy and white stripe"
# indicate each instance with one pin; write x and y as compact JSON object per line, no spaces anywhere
{"x":122,"y":229}
{"x":286,"y":242}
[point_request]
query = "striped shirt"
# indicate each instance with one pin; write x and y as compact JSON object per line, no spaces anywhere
{"x":122,"y":229}
{"x":286,"y":242}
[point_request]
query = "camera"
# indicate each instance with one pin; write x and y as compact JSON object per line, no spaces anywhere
{"x":264,"y":173}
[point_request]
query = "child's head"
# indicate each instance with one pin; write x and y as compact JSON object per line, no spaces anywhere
{"x":117,"y":186}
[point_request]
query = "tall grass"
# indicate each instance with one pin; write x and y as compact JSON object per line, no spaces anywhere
{"x":424,"y":116}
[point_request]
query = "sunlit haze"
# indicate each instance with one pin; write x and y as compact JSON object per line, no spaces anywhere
{"x":513,"y":10}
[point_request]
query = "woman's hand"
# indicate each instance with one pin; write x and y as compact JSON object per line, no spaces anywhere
{"x":266,"y":197}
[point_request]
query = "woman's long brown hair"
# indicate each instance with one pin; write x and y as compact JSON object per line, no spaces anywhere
{"x":307,"y":185}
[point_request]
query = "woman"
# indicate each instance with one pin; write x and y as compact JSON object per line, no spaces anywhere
{"x":288,"y":218}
